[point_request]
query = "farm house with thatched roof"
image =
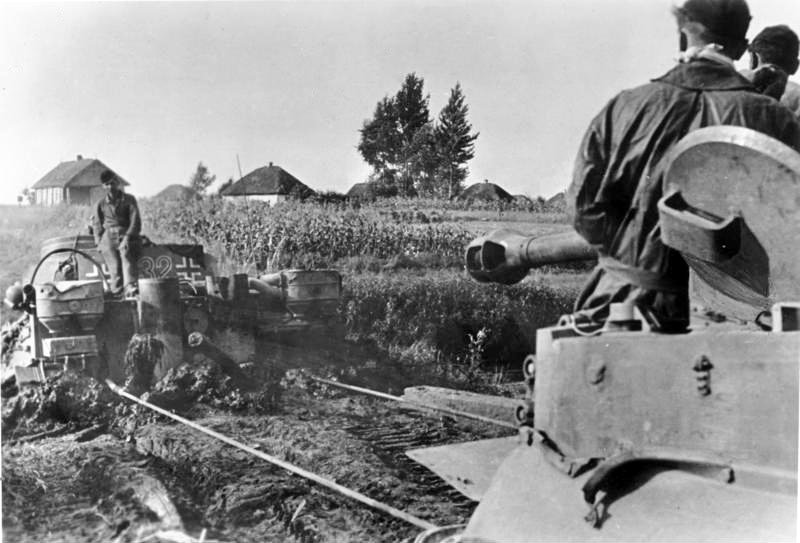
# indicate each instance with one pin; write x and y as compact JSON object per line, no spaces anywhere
{"x":485,"y":192}
{"x":557,"y":202}
{"x":178,"y":192}
{"x":270,"y":184}
{"x":72,"y":182}
{"x":523,"y":199}
{"x":362,"y":191}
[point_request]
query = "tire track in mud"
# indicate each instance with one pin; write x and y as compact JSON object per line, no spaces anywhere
{"x":357,"y":442}
{"x":391,"y":444}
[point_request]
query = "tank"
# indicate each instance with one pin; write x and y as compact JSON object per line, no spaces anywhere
{"x":627,"y":434}
{"x":75,"y":323}
{"x":70,"y":265}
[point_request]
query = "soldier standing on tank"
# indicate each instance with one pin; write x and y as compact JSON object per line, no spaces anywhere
{"x":116,"y":226}
{"x":773,"y":58}
{"x":619,"y":171}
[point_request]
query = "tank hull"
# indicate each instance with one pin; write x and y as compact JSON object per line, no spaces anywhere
{"x":531,"y":500}
{"x":632,"y":432}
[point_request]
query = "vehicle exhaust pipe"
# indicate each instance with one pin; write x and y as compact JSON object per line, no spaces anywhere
{"x":272,"y":295}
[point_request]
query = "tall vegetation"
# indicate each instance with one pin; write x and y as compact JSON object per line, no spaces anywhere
{"x":201,"y":179}
{"x":27,"y":196}
{"x":297,"y":234}
{"x":409,"y":153}
{"x":448,"y":317}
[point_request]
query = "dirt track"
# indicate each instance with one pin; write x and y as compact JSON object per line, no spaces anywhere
{"x":135,"y":475}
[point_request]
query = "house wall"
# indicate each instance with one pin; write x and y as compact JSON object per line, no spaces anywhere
{"x":86,"y":189}
{"x":52,"y":196}
{"x":83,"y":190}
{"x":79,"y":195}
{"x":49,"y":196}
{"x":270,"y":198}
{"x":96,"y":193}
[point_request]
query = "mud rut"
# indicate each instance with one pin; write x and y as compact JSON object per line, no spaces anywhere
{"x":142,"y":477}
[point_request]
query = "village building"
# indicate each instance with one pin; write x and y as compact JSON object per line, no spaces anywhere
{"x":523,"y":200}
{"x":270,"y":184}
{"x":362,"y":191}
{"x":72,"y":182}
{"x":178,"y":192}
{"x":558,"y":202}
{"x":485,"y":192}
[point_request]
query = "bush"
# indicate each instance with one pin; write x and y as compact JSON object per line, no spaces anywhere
{"x":444,"y":317}
{"x":22,"y":231}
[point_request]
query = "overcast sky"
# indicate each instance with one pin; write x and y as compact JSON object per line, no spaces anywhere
{"x":151,"y":89}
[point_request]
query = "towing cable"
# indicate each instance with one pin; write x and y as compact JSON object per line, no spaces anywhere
{"x":418,"y":522}
{"x":418,"y":405}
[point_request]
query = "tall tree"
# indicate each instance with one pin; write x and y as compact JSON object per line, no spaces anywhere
{"x":411,"y":105}
{"x":413,"y":115}
{"x":201,"y":179}
{"x":424,"y":162}
{"x":388,"y":141}
{"x":380,"y":140}
{"x":28,"y":196}
{"x":455,"y":142}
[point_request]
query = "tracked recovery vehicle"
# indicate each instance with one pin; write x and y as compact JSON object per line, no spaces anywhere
{"x":632,"y":435}
{"x":74,"y":323}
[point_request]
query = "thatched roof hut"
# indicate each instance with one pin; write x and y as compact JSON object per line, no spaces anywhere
{"x":557,"y":202}
{"x":485,"y":192}
{"x":362,"y":191}
{"x":521,"y":199}
{"x":268,"y":183}
{"x":178,"y":192}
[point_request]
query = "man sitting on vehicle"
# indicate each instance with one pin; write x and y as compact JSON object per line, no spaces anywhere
{"x":116,"y":226}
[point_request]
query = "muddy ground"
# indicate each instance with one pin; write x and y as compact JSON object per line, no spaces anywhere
{"x":83,"y":464}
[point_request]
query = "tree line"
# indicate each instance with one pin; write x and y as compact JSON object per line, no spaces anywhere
{"x":411,"y":154}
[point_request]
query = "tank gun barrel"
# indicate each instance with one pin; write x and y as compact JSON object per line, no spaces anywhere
{"x":505,"y":256}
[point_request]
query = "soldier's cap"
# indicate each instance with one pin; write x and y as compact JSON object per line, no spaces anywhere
{"x":779,"y":37}
{"x":723,"y":18}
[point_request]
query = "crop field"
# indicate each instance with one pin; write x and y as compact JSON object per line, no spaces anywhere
{"x":22,"y":230}
{"x":411,"y":316}
{"x":402,"y":263}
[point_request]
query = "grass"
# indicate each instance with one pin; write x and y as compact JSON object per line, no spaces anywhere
{"x":436,"y":316}
{"x":24,"y":228}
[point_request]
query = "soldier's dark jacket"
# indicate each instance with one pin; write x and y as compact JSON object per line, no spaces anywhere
{"x":121,"y":214}
{"x":618,"y":180}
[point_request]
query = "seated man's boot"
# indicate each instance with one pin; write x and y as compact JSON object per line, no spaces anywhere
{"x":131,"y":291}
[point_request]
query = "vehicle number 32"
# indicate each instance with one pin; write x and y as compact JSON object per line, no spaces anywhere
{"x":155,"y":268}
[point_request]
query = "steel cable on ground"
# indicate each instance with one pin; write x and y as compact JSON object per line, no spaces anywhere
{"x":425,"y":525}
{"x":418,"y":405}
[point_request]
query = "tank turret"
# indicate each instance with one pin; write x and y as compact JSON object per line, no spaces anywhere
{"x":627,"y":434}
